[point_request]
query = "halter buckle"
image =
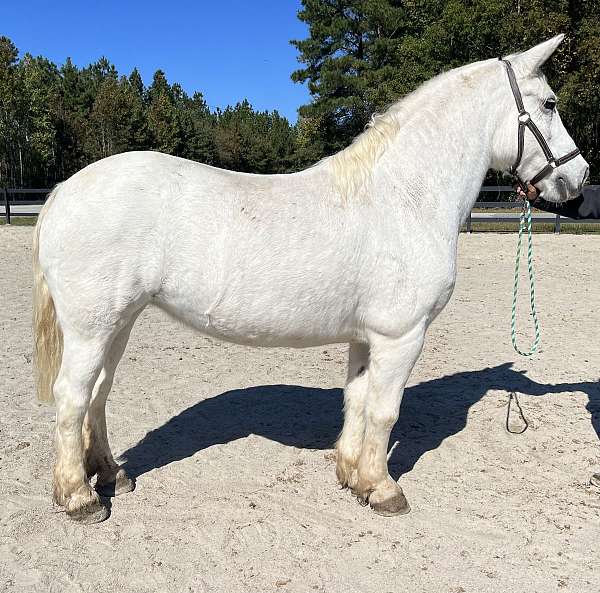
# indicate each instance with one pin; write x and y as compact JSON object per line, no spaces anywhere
{"x":524,"y":117}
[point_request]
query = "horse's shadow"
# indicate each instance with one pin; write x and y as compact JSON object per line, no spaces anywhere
{"x":310,"y":418}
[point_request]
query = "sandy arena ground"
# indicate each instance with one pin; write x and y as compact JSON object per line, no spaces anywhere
{"x":231,"y":448}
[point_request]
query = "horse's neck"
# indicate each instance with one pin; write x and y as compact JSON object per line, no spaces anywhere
{"x":438,"y":160}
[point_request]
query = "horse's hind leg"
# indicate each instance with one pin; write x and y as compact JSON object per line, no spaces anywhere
{"x":112,"y":479}
{"x":349,"y":444}
{"x":82,"y":362}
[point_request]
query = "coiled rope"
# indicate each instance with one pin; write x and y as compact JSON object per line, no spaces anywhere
{"x":525,"y":222}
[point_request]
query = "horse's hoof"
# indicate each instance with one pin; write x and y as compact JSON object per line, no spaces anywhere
{"x":120,"y":485}
{"x":398,"y":505}
{"x":389,"y":500}
{"x":93,"y":512}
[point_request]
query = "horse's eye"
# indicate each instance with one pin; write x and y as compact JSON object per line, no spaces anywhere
{"x":550,"y":104}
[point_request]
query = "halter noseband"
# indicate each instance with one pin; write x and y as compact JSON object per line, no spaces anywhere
{"x":526,"y":121}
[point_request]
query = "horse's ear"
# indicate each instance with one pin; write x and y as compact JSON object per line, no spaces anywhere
{"x":534,"y":58}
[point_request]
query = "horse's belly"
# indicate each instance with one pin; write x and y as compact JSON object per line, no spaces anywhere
{"x":278,"y":323}
{"x":275,"y":302}
{"x":268,"y":335}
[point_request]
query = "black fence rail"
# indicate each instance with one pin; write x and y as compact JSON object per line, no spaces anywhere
{"x":19,"y":202}
{"x":20,"y":206}
{"x":512,"y":217}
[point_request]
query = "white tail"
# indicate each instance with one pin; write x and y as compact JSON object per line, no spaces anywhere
{"x":47,"y":335}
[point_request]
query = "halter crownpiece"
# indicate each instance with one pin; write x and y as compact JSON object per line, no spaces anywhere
{"x":525,"y":120}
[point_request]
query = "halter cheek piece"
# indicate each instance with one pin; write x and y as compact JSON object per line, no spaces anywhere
{"x":526,"y":121}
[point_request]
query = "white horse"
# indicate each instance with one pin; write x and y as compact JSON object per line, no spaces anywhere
{"x":360,"y":248}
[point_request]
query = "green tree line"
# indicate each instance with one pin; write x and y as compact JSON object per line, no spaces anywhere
{"x":54,"y":120}
{"x":359,"y":56}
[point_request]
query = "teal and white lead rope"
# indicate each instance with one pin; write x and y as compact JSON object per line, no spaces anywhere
{"x":525,"y":219}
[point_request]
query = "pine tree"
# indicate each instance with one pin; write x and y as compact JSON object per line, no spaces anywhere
{"x":13,"y":111}
{"x":336,"y":60}
{"x":134,"y":94}
{"x":201,"y":145}
{"x":41,"y":87}
{"x":136,"y":83}
{"x":71,"y":119}
{"x":163,"y":123}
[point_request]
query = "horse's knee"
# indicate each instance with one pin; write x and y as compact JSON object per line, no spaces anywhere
{"x":382,"y":419}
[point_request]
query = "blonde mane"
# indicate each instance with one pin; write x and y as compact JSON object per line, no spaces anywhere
{"x":352,"y":167}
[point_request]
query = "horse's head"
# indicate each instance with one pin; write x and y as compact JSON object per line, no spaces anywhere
{"x":546,"y":154}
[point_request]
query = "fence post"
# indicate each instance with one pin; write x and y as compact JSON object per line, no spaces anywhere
{"x":6,"y":205}
{"x":557,"y":225}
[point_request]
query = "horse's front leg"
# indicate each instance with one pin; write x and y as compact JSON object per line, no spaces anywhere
{"x":349,"y":444}
{"x":390,"y":363}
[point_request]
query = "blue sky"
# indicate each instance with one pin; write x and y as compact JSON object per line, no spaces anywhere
{"x":227,"y":49}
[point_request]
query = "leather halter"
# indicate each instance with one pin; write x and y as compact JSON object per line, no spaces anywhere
{"x":526,"y":121}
